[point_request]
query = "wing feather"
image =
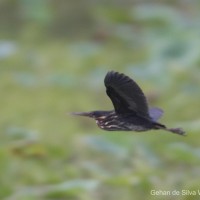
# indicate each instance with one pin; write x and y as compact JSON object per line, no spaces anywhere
{"x":125,"y":94}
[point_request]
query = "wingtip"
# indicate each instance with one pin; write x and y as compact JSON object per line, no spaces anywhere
{"x":112,"y":75}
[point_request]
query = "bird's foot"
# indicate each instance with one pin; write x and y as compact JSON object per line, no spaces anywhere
{"x":178,"y":131}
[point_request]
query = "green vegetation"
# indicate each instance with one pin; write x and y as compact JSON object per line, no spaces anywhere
{"x":53,"y":59}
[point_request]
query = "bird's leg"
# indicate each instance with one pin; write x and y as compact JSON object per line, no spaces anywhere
{"x":178,"y":131}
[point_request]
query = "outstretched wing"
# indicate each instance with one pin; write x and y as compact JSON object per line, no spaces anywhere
{"x":125,"y":94}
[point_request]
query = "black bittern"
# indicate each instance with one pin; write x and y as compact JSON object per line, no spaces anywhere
{"x":131,"y":112}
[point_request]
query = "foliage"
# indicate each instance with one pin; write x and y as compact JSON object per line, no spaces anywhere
{"x":53,"y":59}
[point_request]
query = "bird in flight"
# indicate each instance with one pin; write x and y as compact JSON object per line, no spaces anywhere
{"x":131,"y":111}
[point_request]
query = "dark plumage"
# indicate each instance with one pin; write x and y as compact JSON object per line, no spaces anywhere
{"x":131,"y":112}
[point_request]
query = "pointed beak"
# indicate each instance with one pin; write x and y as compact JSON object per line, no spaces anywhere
{"x":85,"y":114}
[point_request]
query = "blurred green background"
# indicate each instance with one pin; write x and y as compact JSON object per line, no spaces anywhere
{"x":53,"y":59}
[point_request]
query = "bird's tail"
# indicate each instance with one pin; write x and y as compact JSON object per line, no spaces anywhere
{"x":178,"y":131}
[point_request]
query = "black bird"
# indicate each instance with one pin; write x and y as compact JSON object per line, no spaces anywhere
{"x":131,"y":112}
